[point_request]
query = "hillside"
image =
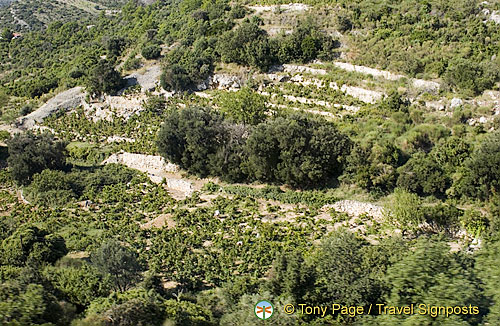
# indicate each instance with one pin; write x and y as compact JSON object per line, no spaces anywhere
{"x":178,"y":162}
{"x":24,"y":15}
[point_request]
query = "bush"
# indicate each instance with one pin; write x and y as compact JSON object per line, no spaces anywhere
{"x":244,"y":106}
{"x":103,"y":78}
{"x":31,"y":244}
{"x":151,"y":52}
{"x":30,"y":154}
{"x":119,"y":263}
{"x":186,"y":68}
{"x":52,"y":188}
{"x":298,"y":150}
{"x":480,"y":176}
{"x":175,"y":78}
{"x":423,"y":175}
{"x":191,"y":138}
{"x":404,"y":210}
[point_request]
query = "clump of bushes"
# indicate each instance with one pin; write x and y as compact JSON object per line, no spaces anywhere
{"x":296,"y":150}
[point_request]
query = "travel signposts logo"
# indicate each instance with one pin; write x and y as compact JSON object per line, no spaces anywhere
{"x":263,"y":310}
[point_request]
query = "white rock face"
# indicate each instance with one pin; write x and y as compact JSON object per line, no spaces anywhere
{"x":224,"y":81}
{"x":426,"y":85}
{"x":147,"y":80}
{"x":362,"y":94}
{"x":155,"y":167}
{"x":66,"y":100}
{"x":435,"y":105}
{"x":122,"y":106}
{"x":180,"y":185}
{"x":118,"y":139}
{"x":145,"y":163}
{"x":456,"y":102}
{"x":292,"y":7}
{"x":495,"y":17}
{"x":357,"y":208}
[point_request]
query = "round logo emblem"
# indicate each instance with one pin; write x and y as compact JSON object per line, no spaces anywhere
{"x":263,"y":310}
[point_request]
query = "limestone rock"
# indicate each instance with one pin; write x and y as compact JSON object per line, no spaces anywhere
{"x":66,"y":100}
{"x":456,"y":102}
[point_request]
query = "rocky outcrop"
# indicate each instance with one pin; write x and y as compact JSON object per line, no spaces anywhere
{"x":148,"y":80}
{"x":425,"y":85}
{"x":357,"y":208}
{"x":495,"y":17}
{"x":435,"y":105}
{"x":121,"y":106}
{"x":364,"y":95}
{"x":291,"y":7}
{"x":223,"y":81}
{"x":455,"y":103}
{"x":66,"y":100}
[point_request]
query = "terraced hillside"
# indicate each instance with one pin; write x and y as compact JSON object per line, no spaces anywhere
{"x":175,"y":163}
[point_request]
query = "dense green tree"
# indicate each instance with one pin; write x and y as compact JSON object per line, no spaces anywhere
{"x":114,"y":45}
{"x":244,"y":106}
{"x":103,"y":79}
{"x":451,"y":153}
{"x":480,"y":177}
{"x":151,"y":52}
{"x":292,"y":277}
{"x":430,"y":274}
{"x":31,"y":305}
{"x":79,"y":285}
{"x":341,"y":273}
{"x":394,"y":102}
{"x":30,"y":154}
{"x":233,"y":45}
{"x":30,"y":244}
{"x":119,"y":262}
{"x":50,"y":187}
{"x":487,"y":269}
{"x":7,"y":34}
{"x":231,"y":155}
{"x":423,"y":175}
{"x":298,"y":150}
{"x":471,"y":76}
{"x":175,"y":78}
{"x":373,"y":166}
{"x":186,"y":68}
{"x":134,"y":313}
{"x":190,"y":138}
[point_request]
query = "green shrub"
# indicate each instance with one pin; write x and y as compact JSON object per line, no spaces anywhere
{"x":151,"y":52}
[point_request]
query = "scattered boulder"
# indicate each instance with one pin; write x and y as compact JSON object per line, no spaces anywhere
{"x":225,"y":81}
{"x":456,"y":102}
{"x":357,"y":208}
{"x":495,"y":17}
